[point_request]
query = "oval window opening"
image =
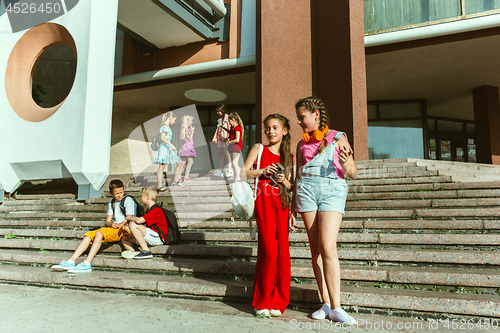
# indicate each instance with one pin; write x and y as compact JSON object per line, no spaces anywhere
{"x":53,"y":76}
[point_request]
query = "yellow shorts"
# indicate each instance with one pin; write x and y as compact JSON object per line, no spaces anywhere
{"x":110,"y":234}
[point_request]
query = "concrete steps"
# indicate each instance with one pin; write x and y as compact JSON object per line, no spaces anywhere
{"x":417,"y":302}
{"x":410,"y":236}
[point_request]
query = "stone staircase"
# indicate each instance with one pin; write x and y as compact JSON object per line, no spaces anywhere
{"x":413,"y":243}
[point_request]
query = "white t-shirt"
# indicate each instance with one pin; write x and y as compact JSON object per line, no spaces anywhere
{"x":130,"y":209}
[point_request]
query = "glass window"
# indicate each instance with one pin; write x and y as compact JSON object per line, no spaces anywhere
{"x":408,"y":110}
{"x":451,"y":126}
{"x":372,"y":111}
{"x":384,"y":14}
{"x":471,"y":128}
{"x":476,"y":6}
{"x":391,"y":139}
{"x":431,"y":125}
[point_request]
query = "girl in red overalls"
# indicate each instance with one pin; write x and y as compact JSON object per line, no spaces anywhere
{"x":272,"y":272}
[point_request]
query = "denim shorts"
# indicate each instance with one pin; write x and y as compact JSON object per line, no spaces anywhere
{"x":316,"y":193}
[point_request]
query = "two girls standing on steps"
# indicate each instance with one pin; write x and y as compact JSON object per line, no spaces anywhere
{"x":272,"y":272}
{"x":320,"y":193}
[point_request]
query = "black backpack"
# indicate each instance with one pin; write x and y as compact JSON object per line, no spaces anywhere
{"x":173,"y":234}
{"x":139,"y":209}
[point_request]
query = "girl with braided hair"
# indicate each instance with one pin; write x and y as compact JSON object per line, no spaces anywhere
{"x":272,"y":271}
{"x":320,"y":193}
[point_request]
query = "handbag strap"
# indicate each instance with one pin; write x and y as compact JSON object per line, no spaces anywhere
{"x":261,"y":149}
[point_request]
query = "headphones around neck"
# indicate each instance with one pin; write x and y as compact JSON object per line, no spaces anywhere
{"x":316,"y":136}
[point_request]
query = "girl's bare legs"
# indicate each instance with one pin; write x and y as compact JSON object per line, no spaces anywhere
{"x":177,"y":172}
{"x":236,"y":159}
{"x":183,"y":163}
{"x":159,"y":175}
{"x":190,"y":162}
{"x":311,"y":224}
{"x":328,"y":231}
{"x":221,"y":157}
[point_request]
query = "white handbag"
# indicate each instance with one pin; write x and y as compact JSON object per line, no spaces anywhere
{"x":243,"y":200}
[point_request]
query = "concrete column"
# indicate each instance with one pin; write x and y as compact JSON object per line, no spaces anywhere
{"x":339,"y":75}
{"x":283,"y":60}
{"x":487,"y":119}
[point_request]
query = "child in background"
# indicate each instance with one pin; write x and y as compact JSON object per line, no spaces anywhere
{"x":272,"y":272}
{"x":145,"y":229}
{"x":319,"y":196}
{"x":166,"y":153}
{"x":235,"y":142}
{"x":220,"y":137}
{"x":187,"y":152}
{"x":112,"y":233}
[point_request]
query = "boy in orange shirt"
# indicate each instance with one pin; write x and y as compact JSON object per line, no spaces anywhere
{"x":113,"y":231}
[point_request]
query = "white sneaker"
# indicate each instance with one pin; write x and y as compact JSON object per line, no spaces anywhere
{"x":129,"y":254}
{"x":322,"y":313}
{"x":341,"y":316}
{"x":64,"y":266}
{"x":218,"y":173}
{"x":264,"y":312}
{"x":229,"y":173}
{"x":83,"y":267}
{"x":275,"y":313}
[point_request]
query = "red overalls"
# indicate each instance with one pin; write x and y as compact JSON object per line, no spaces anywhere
{"x":272,"y":272}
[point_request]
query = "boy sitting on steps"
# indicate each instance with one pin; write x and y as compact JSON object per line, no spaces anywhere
{"x":113,"y":231}
{"x":146,"y":230}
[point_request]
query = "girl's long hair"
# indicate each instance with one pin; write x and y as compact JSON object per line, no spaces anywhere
{"x":184,"y":125}
{"x":285,"y":155}
{"x":236,"y":116}
{"x":312,"y":104}
{"x":166,"y":117}
{"x":222,"y":108}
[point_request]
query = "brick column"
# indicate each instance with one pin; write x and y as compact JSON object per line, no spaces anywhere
{"x":487,"y":119}
{"x":339,"y":75}
{"x":283,"y":60}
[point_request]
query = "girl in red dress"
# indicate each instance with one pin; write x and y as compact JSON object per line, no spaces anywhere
{"x":272,"y":272}
{"x":235,"y":142}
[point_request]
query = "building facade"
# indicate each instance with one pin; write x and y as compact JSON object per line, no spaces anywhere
{"x":402,"y":78}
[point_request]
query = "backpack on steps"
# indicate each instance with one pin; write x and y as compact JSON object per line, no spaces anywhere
{"x":173,"y":235}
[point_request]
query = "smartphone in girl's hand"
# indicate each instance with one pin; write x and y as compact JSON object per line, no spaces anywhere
{"x":280,"y":171}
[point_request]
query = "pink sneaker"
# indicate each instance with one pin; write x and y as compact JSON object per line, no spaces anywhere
{"x":187,"y":179}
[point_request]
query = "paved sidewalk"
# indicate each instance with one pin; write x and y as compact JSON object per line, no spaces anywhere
{"x":34,"y":309}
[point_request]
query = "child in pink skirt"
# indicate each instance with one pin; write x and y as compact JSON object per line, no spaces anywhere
{"x":187,"y":152}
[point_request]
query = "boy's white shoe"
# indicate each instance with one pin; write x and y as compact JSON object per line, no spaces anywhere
{"x":218,"y":173}
{"x":322,"y":313}
{"x":341,"y":316}
{"x":129,"y":254}
{"x":64,"y":266}
{"x":229,"y":173}
{"x":83,"y":267}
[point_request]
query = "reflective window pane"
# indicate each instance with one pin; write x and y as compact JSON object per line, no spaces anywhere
{"x":454,"y":127}
{"x":384,"y":14}
{"x":430,"y":125}
{"x":476,"y":6}
{"x":372,"y":111}
{"x":408,"y":110}
{"x":471,"y":128}
{"x":389,"y":139}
